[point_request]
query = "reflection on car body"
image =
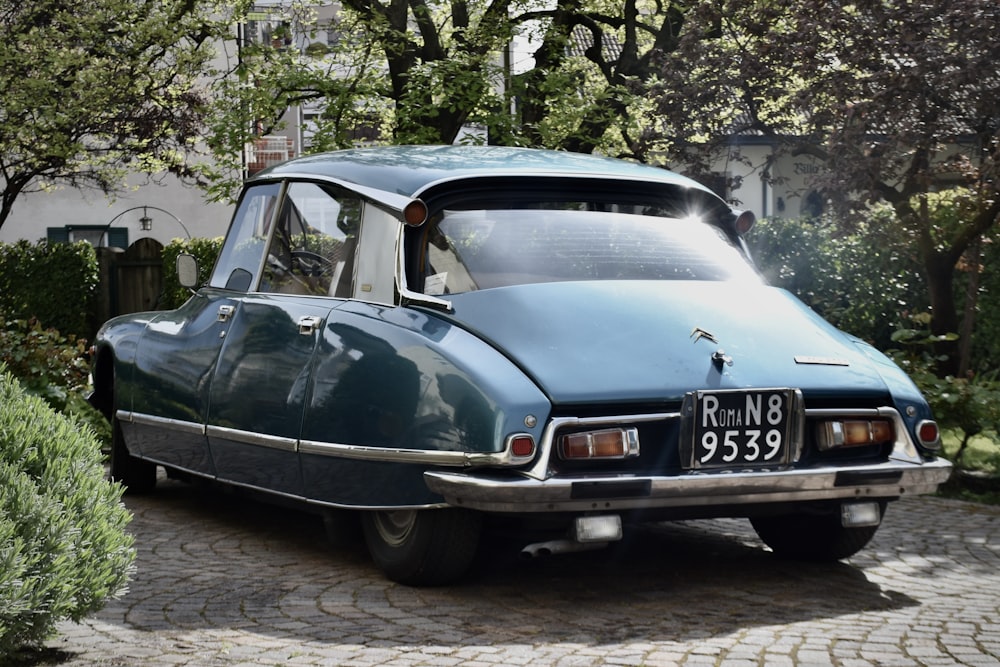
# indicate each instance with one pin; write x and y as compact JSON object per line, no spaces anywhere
{"x":434,"y":335}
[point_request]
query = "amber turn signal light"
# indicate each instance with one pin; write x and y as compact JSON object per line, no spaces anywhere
{"x":854,"y":433}
{"x":613,"y":443}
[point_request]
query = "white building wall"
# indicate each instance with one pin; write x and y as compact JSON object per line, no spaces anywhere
{"x":184,"y":212}
{"x":782,"y":192}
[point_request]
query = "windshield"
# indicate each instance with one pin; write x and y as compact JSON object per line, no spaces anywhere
{"x":481,"y":249}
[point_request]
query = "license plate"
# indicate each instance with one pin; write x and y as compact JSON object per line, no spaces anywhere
{"x":739,"y":428}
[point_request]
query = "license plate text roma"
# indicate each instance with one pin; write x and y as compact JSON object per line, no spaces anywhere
{"x":741,"y":428}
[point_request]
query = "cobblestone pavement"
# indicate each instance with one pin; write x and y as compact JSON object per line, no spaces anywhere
{"x":223,"y":580}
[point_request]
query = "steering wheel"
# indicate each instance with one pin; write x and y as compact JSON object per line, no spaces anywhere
{"x":310,"y":263}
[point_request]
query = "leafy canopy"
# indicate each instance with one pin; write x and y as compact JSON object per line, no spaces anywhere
{"x":898,"y":99}
{"x":570,"y":75}
{"x":93,"y":90}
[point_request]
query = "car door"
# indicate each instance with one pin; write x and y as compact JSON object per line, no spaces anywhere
{"x":178,"y":352}
{"x":260,"y":384}
{"x":255,"y":409}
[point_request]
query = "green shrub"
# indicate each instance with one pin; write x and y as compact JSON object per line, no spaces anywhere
{"x":204,"y":250}
{"x":55,"y":283}
{"x":863,"y":282}
{"x":986,"y":341}
{"x":53,"y":367}
{"x":968,"y":405}
{"x":64,"y":551}
{"x":47,"y":363}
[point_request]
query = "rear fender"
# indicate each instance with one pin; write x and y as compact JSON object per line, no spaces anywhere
{"x":403,"y":378}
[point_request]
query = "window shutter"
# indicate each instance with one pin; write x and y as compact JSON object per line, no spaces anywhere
{"x":57,"y":234}
{"x":118,"y":237}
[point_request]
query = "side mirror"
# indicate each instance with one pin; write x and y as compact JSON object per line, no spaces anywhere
{"x":187,"y":271}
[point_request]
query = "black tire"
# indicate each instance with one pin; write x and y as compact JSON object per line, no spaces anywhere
{"x":423,"y":547}
{"x":136,"y":475}
{"x":812,"y":537}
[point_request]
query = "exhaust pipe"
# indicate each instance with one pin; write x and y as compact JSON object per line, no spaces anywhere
{"x":553,"y":547}
{"x":588,"y":532}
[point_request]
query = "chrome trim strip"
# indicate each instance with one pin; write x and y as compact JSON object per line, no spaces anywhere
{"x":174,"y":466}
{"x":293,"y":496}
{"x":392,"y":200}
{"x":324,"y":503}
{"x":252,"y":438}
{"x":540,"y":469}
{"x":163,"y":422}
{"x":397,"y":455}
{"x":406,"y":296}
{"x":387,"y":454}
{"x":496,"y":494}
{"x":366,"y":508}
{"x":358,"y":452}
{"x":819,"y":413}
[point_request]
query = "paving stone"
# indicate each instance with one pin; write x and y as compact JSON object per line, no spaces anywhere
{"x":223,"y":581}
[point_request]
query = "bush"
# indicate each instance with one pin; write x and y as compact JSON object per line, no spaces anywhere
{"x":48,"y":364}
{"x":205,"y":251}
{"x":55,"y":283}
{"x":969,"y":405}
{"x":64,"y":551}
{"x":863,"y":282}
{"x":986,"y":342}
{"x":53,"y":367}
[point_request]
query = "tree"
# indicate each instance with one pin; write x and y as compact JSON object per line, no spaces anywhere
{"x":419,"y":71}
{"x":97,"y":89}
{"x":898,"y":99}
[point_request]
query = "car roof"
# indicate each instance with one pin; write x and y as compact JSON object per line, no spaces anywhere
{"x":410,"y":170}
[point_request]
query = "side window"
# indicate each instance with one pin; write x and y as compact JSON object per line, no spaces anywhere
{"x":376,"y":273}
{"x":313,"y":246}
{"x":243,"y":250}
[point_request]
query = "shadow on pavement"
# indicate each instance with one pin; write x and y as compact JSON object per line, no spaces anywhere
{"x":215,"y":559}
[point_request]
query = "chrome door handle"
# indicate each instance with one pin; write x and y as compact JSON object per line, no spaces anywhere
{"x":225,"y":312}
{"x":308,"y":324}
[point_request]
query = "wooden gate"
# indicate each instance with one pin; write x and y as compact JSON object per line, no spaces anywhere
{"x":131,"y":281}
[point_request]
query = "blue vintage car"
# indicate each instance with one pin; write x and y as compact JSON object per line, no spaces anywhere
{"x":437,"y":335}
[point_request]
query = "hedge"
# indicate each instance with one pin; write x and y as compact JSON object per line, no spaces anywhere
{"x":64,"y":551}
{"x":54,"y":283}
{"x":204,"y":250}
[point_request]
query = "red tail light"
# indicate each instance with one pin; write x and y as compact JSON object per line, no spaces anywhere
{"x":929,"y":435}
{"x":522,"y":446}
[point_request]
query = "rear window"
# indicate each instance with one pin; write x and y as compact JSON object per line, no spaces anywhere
{"x":480,"y":249}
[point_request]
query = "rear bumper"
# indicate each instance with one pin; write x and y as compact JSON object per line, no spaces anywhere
{"x":516,"y":494}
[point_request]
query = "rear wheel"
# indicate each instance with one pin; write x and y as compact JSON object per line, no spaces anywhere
{"x":812,"y":537}
{"x":136,"y":475}
{"x":423,"y":547}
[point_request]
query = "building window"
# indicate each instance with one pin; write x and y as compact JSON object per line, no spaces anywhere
{"x":99,"y":236}
{"x":812,"y":205}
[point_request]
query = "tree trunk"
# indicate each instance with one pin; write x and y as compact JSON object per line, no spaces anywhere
{"x":939,"y":271}
{"x":973,"y":263}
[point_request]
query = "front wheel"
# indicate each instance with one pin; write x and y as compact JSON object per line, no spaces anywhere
{"x":423,"y":547}
{"x":136,"y":475}
{"x":812,"y":537}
